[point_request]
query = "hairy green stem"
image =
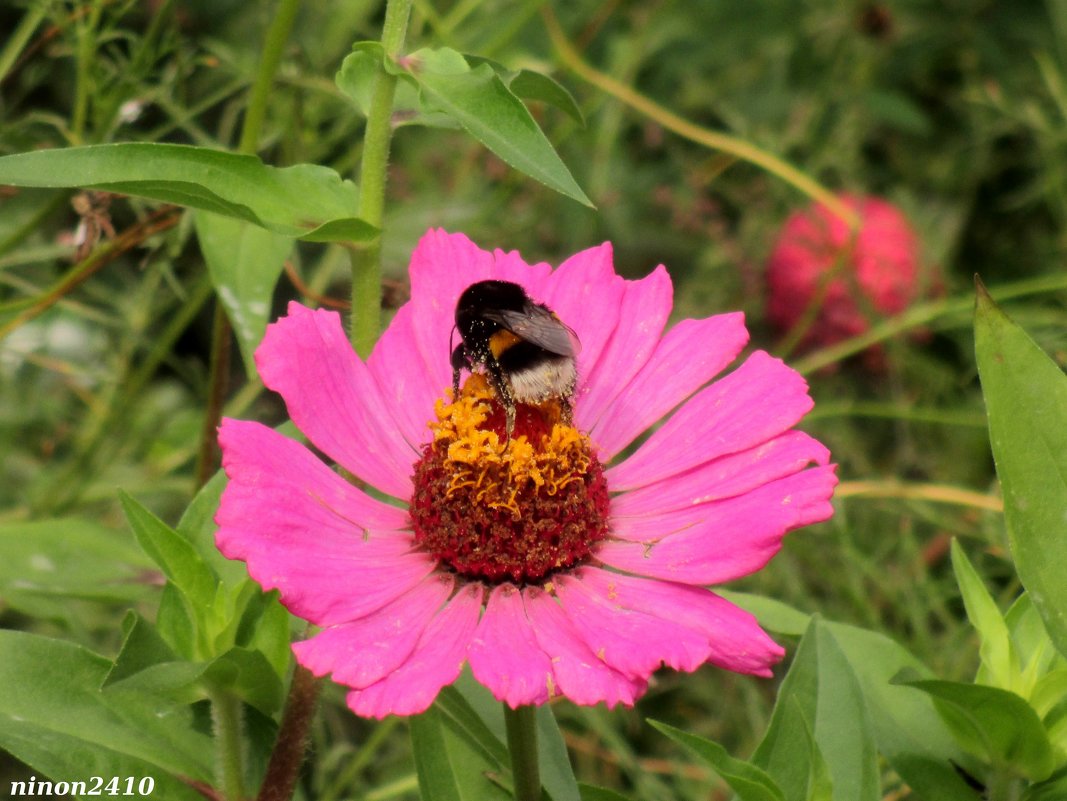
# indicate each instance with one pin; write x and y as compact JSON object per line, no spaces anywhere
{"x":521,"y":726}
{"x":226,"y":719}
{"x":374,"y":166}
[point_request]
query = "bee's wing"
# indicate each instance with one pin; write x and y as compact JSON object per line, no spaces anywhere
{"x":538,"y":325}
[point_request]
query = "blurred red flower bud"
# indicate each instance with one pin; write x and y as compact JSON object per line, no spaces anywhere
{"x":848,"y":277}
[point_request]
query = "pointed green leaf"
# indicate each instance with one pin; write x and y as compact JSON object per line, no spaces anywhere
{"x":142,"y":647}
{"x":531,"y":85}
{"x":750,"y":782}
{"x":61,"y":722}
{"x":1026,"y":400}
{"x":490,"y":112}
{"x":305,"y":201}
{"x":907,"y":728}
{"x":244,"y":261}
{"x":178,"y":560}
{"x":822,"y":688}
{"x":995,"y":725}
{"x":451,"y":765}
{"x":1000,"y":664}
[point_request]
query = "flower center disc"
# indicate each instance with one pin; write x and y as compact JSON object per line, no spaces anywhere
{"x":499,"y":509}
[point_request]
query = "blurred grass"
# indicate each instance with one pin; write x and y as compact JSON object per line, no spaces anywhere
{"x":953,"y":110}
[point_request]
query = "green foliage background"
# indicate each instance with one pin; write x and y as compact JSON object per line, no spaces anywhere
{"x":955,"y":111}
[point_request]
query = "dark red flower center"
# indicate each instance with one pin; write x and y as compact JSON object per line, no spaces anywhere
{"x":507,"y":510}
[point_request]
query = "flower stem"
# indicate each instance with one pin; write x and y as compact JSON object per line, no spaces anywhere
{"x":522,"y":745}
{"x":367,"y":261}
{"x":732,"y":145}
{"x":229,"y":765}
{"x":288,"y":753}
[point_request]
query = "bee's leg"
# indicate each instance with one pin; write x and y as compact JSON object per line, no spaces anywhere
{"x":459,"y":360}
{"x":509,"y":420}
{"x":500,"y":385}
{"x":566,"y":411}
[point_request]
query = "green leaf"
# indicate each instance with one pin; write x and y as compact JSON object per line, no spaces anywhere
{"x":46,"y":565}
{"x":750,"y":782}
{"x":490,"y":112}
{"x":244,"y":261}
{"x":451,"y":765}
{"x":62,"y":724}
{"x":178,"y":560}
{"x":305,"y":201}
{"x":142,"y":647}
{"x":356,"y":78}
{"x":907,"y":728}
{"x":1054,"y":789}
{"x":1026,"y":400}
{"x":1000,"y":664}
{"x":995,"y":725}
{"x":821,"y":688}
{"x":772,"y":614}
{"x":265,"y":627}
{"x":175,"y":623}
{"x":249,"y":676}
{"x":531,"y":85}
{"x":1036,"y":653}
{"x":197,"y":525}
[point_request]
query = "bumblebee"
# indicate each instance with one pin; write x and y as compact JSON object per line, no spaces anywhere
{"x":526,"y":353}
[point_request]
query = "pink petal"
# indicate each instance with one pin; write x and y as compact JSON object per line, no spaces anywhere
{"x":333,"y":399}
{"x":759,"y":400}
{"x":436,"y":661}
{"x":260,"y":457}
{"x":646,"y":304}
{"x":735,"y":640}
{"x":579,"y":674}
{"x":689,"y":355}
{"x":365,"y":651}
{"x":509,"y":266}
{"x":632,"y":642}
{"x":305,"y":531}
{"x":720,"y":478}
{"x":505,"y":656}
{"x":404,"y":379}
{"x":585,"y":293}
{"x":735,"y":537}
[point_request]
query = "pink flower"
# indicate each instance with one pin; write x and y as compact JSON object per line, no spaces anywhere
{"x":581,"y":585}
{"x":816,"y":261}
